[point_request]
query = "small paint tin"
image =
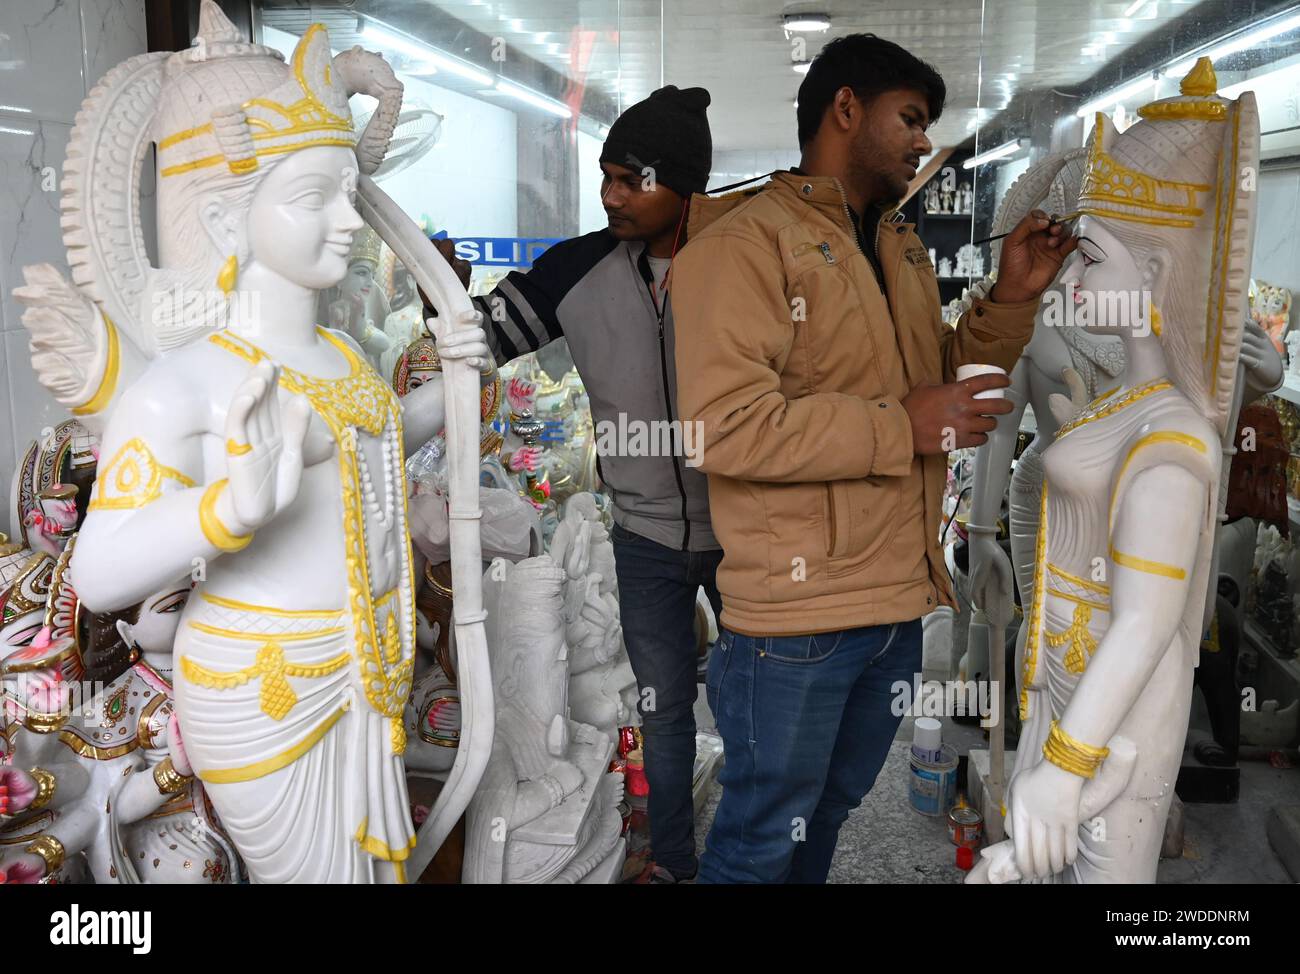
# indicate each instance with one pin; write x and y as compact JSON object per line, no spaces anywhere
{"x":932,"y":786}
{"x":965,"y":826}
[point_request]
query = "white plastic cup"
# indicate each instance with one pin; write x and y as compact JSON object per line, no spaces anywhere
{"x":970,"y":371}
{"x":927,"y":738}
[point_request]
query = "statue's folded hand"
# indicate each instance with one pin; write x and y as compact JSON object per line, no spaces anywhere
{"x":991,"y":583}
{"x":264,"y":451}
{"x":466,"y":341}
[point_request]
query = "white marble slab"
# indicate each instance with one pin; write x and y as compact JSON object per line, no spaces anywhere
{"x":1276,"y":258}
{"x":35,"y":411}
{"x":41,"y":59}
{"x":112,"y":31}
{"x":7,"y":458}
{"x":31,"y":167}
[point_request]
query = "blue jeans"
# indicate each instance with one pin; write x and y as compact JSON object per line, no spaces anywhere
{"x":657,"y":589}
{"x":806,"y":723}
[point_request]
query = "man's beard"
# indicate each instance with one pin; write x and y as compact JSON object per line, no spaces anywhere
{"x":871,"y":172}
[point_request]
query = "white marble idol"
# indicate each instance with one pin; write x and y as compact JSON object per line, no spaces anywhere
{"x":1127,"y":510}
{"x":262,"y":455}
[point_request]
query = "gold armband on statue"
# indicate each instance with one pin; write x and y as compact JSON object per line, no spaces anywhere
{"x":1072,"y":755}
{"x":213,"y":529}
{"x":168,"y":779}
{"x":46,"y":784}
{"x":103,"y":394}
{"x":50,"y":849}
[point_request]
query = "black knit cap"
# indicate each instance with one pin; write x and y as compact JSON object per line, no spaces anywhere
{"x":669,"y":132}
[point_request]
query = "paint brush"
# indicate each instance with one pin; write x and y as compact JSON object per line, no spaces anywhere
{"x":1055,"y":220}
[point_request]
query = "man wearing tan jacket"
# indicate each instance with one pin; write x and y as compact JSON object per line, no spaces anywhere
{"x":812,"y":352}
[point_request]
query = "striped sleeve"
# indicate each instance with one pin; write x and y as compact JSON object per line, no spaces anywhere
{"x":523,"y":312}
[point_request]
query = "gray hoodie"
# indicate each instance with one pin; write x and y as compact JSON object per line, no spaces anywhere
{"x":596,"y":291}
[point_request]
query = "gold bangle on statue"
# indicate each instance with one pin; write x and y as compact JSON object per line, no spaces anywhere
{"x":168,"y":779}
{"x":1073,"y":755}
{"x":46,"y":784}
{"x":216,"y":532}
{"x":237,"y":449}
{"x":50,"y":849}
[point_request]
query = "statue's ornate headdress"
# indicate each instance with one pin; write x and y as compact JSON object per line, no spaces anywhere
{"x":221,"y":111}
{"x":366,"y":246}
{"x":260,"y":117}
{"x":1183,"y":181}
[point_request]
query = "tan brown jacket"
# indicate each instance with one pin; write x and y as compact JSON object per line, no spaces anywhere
{"x":795,"y":362}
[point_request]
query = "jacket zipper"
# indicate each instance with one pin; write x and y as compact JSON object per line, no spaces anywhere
{"x":874,"y":259}
{"x":668,"y":399}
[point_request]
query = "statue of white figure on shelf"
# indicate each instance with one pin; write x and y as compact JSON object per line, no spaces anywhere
{"x":361,"y":309}
{"x":945,"y":267}
{"x":965,"y":199}
{"x":1130,"y":494}
{"x":1293,"y":351}
{"x":966,"y":258}
{"x":546,"y":810}
{"x":947,"y":200}
{"x":265,"y":456}
{"x":932,"y":197}
{"x":405,"y":323}
{"x":602,"y":686}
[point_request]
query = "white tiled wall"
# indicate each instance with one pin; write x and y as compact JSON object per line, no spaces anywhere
{"x":52,"y":52}
{"x":1276,"y":259}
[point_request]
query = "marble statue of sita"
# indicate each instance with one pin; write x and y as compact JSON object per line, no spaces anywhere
{"x":1130,"y":495}
{"x":261,"y":455}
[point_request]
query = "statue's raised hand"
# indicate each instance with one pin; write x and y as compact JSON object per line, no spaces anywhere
{"x":70,"y":339}
{"x":263,"y":450}
{"x":1065,"y":408}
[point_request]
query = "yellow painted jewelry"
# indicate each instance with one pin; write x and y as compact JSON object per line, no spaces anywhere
{"x":213,"y":529}
{"x":228,"y":273}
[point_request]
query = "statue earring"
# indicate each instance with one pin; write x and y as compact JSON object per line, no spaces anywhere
{"x":226,"y":276}
{"x":1155,"y":320}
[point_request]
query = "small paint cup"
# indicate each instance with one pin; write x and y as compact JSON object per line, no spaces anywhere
{"x":970,"y":371}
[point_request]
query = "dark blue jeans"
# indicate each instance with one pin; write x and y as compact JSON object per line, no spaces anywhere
{"x":657,"y":589}
{"x":806,"y":723}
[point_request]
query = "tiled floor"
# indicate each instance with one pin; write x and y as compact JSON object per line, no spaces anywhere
{"x":886,"y":841}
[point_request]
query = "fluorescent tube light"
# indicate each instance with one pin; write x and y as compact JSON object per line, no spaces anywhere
{"x":1001,"y":152}
{"x":530,"y":97}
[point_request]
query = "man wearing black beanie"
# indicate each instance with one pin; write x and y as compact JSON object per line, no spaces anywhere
{"x":606,"y":292}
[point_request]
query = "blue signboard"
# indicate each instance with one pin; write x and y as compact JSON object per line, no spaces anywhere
{"x":501,"y":251}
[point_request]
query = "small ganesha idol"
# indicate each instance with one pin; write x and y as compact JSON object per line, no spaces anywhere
{"x":262,"y":455}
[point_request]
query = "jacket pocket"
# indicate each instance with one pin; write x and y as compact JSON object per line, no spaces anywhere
{"x":862,"y":517}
